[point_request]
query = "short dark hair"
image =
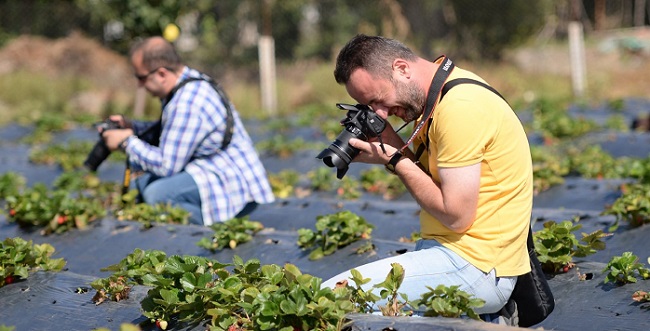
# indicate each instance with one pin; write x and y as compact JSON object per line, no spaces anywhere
{"x":372,"y":53}
{"x":157,"y":53}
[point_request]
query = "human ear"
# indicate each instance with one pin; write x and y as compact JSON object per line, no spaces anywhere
{"x":402,"y":68}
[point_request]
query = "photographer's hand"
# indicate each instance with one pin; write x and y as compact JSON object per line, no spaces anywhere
{"x":113,"y":138}
{"x":121,"y":120}
{"x":371,"y":152}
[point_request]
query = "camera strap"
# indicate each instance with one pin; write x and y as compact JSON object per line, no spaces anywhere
{"x":230,"y":121}
{"x":439,"y":78}
{"x":448,"y":86}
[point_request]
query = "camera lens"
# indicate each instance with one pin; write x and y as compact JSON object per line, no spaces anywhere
{"x":339,"y":154}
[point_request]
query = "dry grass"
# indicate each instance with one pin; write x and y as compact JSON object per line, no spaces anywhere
{"x":75,"y":74}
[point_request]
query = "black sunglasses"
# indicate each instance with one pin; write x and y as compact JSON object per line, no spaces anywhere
{"x":143,"y":78}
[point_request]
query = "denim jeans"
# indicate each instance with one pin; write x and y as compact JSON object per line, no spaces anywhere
{"x":181,"y":191}
{"x":432,"y":264}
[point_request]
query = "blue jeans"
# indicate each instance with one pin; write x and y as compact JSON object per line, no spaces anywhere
{"x":432,"y":264}
{"x":179,"y":190}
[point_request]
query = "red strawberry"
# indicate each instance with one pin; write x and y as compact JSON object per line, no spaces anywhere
{"x":9,"y":279}
{"x":61,"y":219}
{"x":12,"y":212}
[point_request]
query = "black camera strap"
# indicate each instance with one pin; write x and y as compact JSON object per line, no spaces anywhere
{"x":230,"y":120}
{"x":157,"y":126}
{"x":448,"y":86}
{"x":439,"y":78}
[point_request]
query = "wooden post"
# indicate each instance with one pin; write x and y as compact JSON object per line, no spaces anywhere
{"x":577,"y":56}
{"x":266,"y":55}
{"x":266,"y":47}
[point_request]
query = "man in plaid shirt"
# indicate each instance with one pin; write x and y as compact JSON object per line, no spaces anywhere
{"x":189,"y":167}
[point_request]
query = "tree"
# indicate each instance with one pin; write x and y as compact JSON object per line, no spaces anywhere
{"x":483,"y":29}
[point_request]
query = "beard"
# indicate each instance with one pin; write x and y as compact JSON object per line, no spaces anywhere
{"x":411,"y":99}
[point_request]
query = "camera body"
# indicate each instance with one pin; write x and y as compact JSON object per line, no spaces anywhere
{"x":361,"y":123}
{"x":100,"y":151}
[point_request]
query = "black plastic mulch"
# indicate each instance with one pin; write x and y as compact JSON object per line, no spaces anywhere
{"x":62,"y":301}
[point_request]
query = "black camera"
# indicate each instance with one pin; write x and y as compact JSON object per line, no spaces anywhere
{"x":361,"y":123}
{"x":100,"y":151}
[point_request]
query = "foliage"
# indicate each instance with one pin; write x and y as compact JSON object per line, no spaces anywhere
{"x":486,"y":32}
{"x":633,"y":206}
{"x":253,"y":297}
{"x":449,"y":302}
{"x":231,"y":233}
{"x":7,"y":328}
{"x":322,"y":179}
{"x":148,"y":214}
{"x":593,"y":162}
{"x":88,"y":184}
{"x":69,"y":156}
{"x":19,"y":257}
{"x":283,"y":183}
{"x":54,"y":211}
{"x":348,"y":188}
{"x":389,"y":291}
{"x":333,"y":231}
{"x":625,"y":269}
{"x":245,"y":295}
{"x":556,"y":245}
{"x":548,"y":168}
{"x":281,"y":146}
{"x":11,"y":183}
{"x":376,"y":180}
{"x":555,"y":123}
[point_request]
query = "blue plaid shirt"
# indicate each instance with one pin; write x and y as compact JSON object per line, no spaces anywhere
{"x":193,"y":126}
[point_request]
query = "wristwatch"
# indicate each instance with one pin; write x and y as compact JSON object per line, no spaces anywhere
{"x":390,"y":166}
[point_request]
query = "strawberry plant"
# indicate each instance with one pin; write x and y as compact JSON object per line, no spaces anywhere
{"x":11,"y":183}
{"x":625,"y":269}
{"x":333,"y":232}
{"x":88,"y":184}
{"x":19,"y":257}
{"x":253,"y":297}
{"x":363,"y":300}
{"x":44,"y":125}
{"x":556,"y":245}
{"x":375,"y":180}
{"x":555,"y":123}
{"x":68,"y":156}
{"x":284,"y":182}
{"x":54,"y":211}
{"x":148,"y":214}
{"x":593,"y":162}
{"x":348,"y":188}
{"x":548,"y":168}
{"x":449,"y":302}
{"x":322,"y":179}
{"x":7,"y":328}
{"x":389,"y":291}
{"x":279,"y":145}
{"x":230,"y":233}
{"x":633,"y":206}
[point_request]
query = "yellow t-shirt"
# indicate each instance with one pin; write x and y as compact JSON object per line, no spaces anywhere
{"x":471,"y":124}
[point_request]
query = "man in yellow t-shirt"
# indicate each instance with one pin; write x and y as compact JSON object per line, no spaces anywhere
{"x":472,"y":176}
